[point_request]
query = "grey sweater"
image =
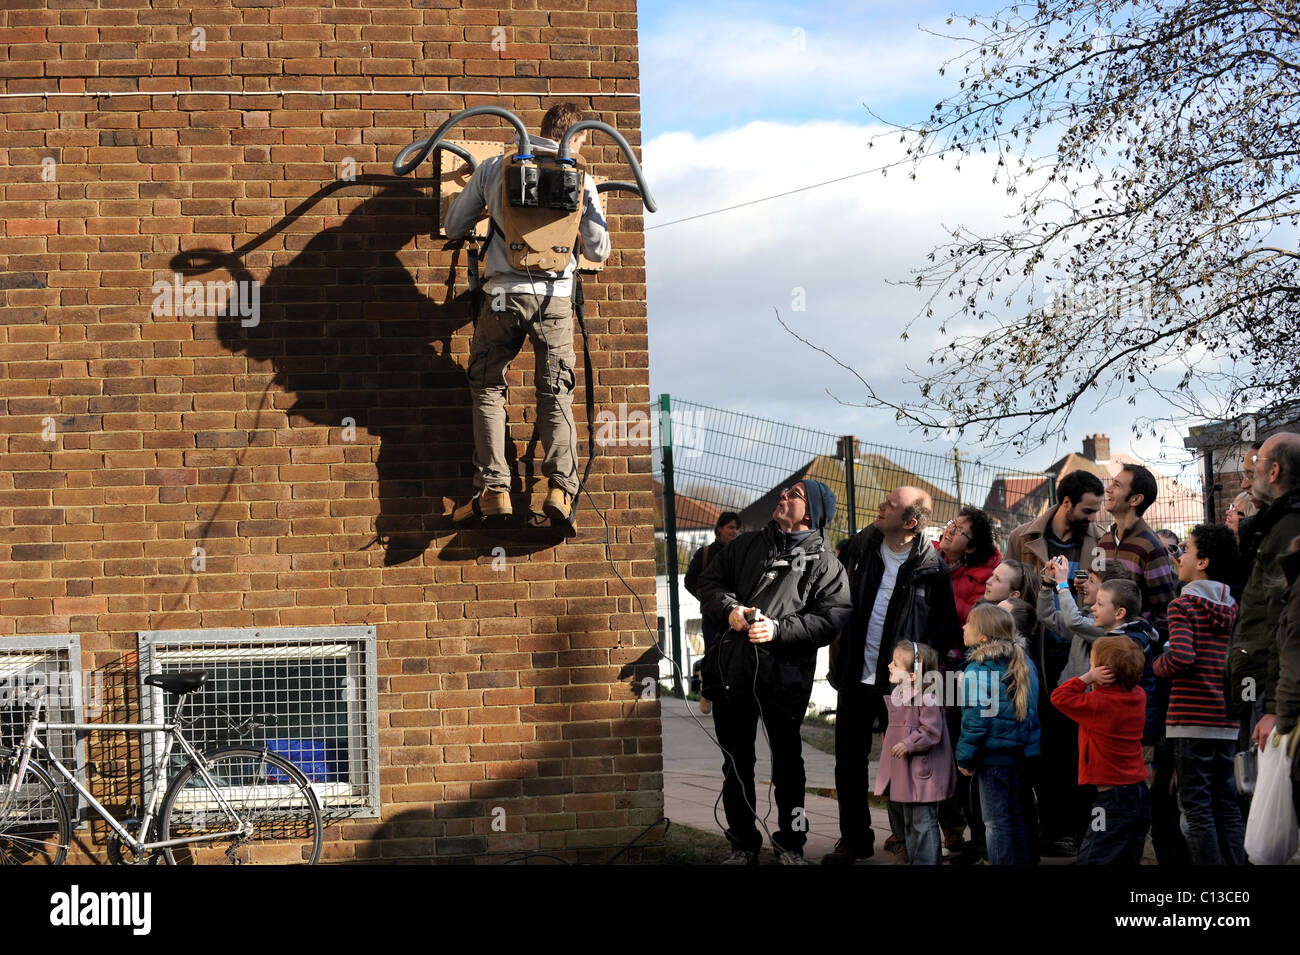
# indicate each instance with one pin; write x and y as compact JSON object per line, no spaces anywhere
{"x":1067,"y":620}
{"x":484,"y":191}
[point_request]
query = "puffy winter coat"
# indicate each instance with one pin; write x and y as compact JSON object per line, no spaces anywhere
{"x":968,"y":582}
{"x":990,"y":733}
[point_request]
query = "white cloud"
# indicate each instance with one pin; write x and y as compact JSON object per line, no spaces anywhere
{"x":713,"y":282}
{"x":820,"y":61}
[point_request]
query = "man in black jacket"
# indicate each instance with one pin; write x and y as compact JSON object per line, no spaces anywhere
{"x":725,"y":531}
{"x":781,"y":594}
{"x":901,"y":590}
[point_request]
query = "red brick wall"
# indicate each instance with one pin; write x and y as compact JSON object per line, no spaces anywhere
{"x":500,"y":685}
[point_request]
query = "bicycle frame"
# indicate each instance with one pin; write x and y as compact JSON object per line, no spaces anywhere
{"x":172,"y":731}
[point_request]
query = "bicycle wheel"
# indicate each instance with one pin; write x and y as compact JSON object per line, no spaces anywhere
{"x":276,"y":804}
{"x":34,"y":825}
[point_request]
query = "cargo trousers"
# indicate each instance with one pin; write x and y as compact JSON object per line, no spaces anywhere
{"x":499,"y":334}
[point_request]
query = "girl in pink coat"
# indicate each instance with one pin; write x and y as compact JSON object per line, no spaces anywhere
{"x":916,"y":761}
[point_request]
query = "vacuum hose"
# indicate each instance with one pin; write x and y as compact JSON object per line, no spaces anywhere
{"x":411,"y":156}
{"x":564,"y":156}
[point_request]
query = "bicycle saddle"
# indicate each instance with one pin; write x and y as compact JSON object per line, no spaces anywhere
{"x":186,"y":682}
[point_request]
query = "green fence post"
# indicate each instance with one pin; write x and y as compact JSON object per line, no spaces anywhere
{"x":670,"y":535}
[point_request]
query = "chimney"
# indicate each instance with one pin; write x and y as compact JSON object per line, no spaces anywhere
{"x":1097,"y":447}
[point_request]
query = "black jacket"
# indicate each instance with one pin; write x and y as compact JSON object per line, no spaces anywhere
{"x":696,"y":567}
{"x":1287,"y":697}
{"x":1252,"y":655}
{"x":804,"y":589}
{"x":922,"y":607}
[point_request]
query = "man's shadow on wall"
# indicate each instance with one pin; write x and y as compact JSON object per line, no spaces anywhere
{"x":352,"y":337}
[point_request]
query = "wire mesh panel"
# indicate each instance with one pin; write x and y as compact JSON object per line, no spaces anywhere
{"x":730,"y":461}
{"x":50,"y":666}
{"x":307,"y":694}
{"x":727,"y":460}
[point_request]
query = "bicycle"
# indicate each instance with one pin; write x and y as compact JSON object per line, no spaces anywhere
{"x":239,"y":804}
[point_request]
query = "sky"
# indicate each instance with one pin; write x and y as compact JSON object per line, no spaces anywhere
{"x":744,"y":101}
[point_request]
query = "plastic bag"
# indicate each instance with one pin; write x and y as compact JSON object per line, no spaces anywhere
{"x":1272,"y":835}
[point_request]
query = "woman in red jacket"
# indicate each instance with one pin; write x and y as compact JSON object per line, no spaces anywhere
{"x":967,"y":547}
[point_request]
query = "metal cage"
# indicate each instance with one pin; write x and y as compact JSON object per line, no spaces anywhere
{"x":51,"y":664}
{"x":307,"y":693}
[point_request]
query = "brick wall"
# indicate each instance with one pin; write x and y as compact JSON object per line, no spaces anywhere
{"x":131,"y":437}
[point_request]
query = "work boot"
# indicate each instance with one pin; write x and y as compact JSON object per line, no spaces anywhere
{"x":559,"y":504}
{"x":489,"y":502}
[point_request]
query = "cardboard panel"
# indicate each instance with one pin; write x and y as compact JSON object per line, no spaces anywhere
{"x":453,"y":174}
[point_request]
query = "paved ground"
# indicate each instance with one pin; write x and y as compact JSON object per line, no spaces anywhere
{"x":693,"y":779}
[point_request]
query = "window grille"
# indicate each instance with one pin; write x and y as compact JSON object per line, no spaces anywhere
{"x":51,"y":664}
{"x":309,"y":692}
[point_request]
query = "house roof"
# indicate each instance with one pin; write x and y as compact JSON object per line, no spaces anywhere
{"x":692,"y":514}
{"x":1014,"y":499}
{"x":1014,"y":490}
{"x":1077,"y":462}
{"x":1174,"y":503}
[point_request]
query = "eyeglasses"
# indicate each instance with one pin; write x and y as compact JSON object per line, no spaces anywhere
{"x":795,"y":493}
{"x":952,"y":527}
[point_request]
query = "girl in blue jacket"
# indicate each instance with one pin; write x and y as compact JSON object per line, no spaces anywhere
{"x":999,"y":726}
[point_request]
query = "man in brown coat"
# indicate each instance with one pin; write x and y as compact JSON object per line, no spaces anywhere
{"x":1068,"y":531}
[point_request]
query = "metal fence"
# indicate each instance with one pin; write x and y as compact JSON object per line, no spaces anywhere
{"x":709,"y":460}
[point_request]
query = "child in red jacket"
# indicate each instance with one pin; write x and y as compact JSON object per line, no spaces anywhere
{"x":1110,"y":709}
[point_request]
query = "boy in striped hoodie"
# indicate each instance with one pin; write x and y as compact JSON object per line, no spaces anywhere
{"x":1203,"y":736}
